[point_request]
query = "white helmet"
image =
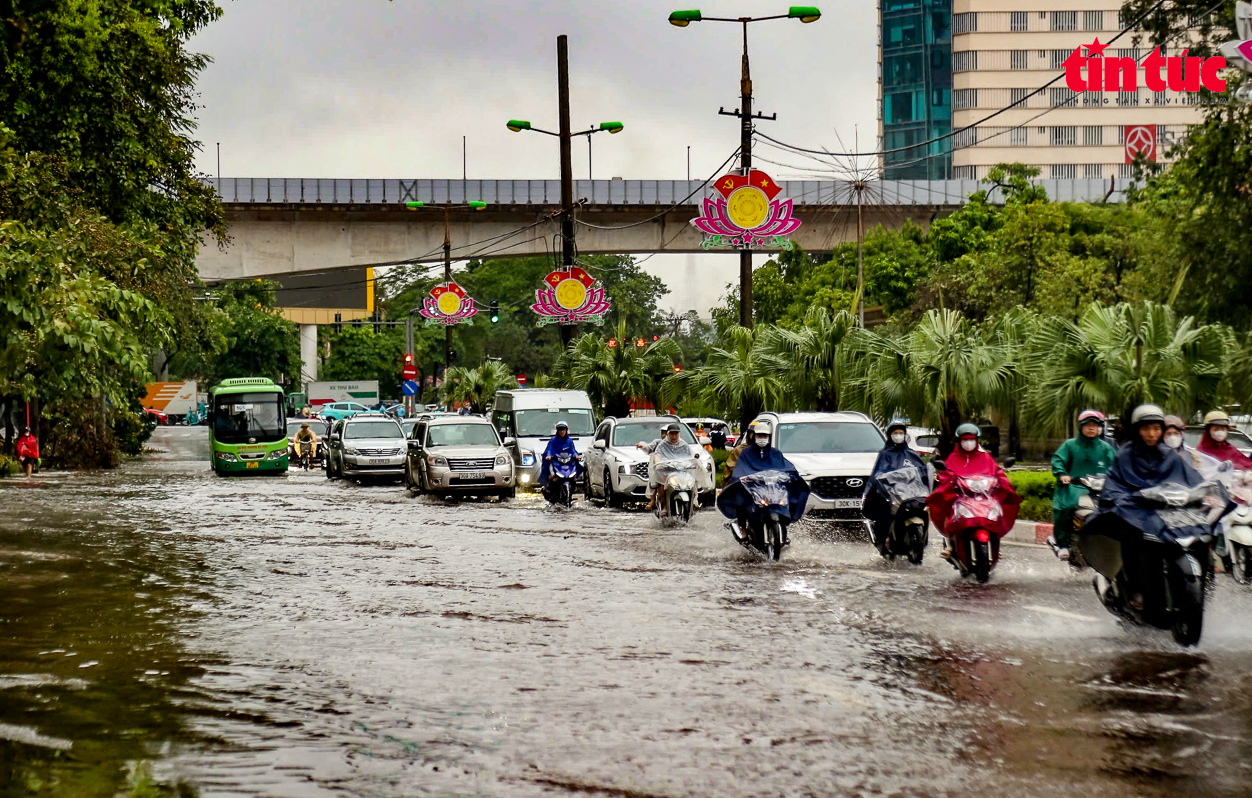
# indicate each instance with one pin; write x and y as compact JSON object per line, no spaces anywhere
{"x":1146,"y":414}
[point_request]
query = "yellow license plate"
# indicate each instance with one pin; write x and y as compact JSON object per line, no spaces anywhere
{"x":252,"y":465}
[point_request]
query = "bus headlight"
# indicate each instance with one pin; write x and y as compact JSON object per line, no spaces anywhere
{"x":227,"y":457}
{"x":277,"y":454}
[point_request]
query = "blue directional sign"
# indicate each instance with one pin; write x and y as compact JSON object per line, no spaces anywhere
{"x":409,"y":388}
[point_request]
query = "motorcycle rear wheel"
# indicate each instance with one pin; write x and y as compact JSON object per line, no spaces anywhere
{"x":1240,"y":562}
{"x":982,"y":561}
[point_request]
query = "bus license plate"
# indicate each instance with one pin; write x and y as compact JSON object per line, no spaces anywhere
{"x":847,"y":504}
{"x":380,"y":461}
{"x":252,"y":465}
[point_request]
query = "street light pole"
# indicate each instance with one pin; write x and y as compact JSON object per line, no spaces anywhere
{"x":447,"y":278}
{"x":567,"y":168}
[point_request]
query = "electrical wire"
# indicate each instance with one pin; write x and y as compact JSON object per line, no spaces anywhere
{"x":680,"y":203}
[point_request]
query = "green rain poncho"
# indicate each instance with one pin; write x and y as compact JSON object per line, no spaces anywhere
{"x":1078,"y":457}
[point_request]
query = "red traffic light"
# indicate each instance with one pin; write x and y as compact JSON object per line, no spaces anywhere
{"x":408,"y":358}
{"x":677,"y":369}
{"x":639,"y":342}
{"x":612,"y":342}
{"x":656,"y":338}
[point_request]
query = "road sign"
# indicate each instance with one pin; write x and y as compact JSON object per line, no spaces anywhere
{"x":1140,"y":141}
{"x":409,"y":371}
{"x":521,"y":379}
{"x":408,"y":388}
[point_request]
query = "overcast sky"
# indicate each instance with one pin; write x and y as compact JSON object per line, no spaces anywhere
{"x":369,"y":88}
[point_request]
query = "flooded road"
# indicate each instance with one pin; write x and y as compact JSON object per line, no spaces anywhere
{"x":167,"y":632}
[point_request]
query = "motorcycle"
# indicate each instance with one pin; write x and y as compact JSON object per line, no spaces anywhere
{"x":1088,"y":488}
{"x":768,"y":519}
{"x":305,"y":454}
{"x":1237,"y":561}
{"x":679,"y":478}
{"x":1176,"y":564}
{"x":906,"y":490}
{"x":975,"y":522}
{"x":562,"y":474}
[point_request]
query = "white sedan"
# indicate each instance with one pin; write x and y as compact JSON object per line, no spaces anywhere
{"x":617,"y":470}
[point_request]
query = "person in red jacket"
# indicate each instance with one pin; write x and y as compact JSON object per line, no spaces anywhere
{"x":1213,"y":442}
{"x":27,"y":451}
{"x":968,"y":459}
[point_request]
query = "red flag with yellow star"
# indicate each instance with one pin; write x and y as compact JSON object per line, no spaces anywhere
{"x":581,"y":276}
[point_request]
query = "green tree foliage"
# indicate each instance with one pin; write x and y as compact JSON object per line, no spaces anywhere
{"x":256,"y":340}
{"x":611,"y":375}
{"x":738,"y":380}
{"x":359,"y":353}
{"x":478,"y":386}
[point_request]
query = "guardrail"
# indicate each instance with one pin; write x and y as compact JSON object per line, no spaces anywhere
{"x":345,"y":191}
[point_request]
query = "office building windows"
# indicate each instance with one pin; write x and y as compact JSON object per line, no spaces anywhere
{"x":1063,"y":171}
{"x":1093,"y":20}
{"x":1064,"y":20}
{"x":1063,"y":136}
{"x":1093,"y":135}
{"x":1017,"y":21}
{"x":1093,"y":171}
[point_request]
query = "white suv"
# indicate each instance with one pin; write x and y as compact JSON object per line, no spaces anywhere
{"x":834,"y":452}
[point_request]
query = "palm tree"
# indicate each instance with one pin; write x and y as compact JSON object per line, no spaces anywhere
{"x":810,"y":360}
{"x":740,"y":379}
{"x":945,"y":371}
{"x":1122,"y":356}
{"x":614,"y":371}
{"x":477,"y":386}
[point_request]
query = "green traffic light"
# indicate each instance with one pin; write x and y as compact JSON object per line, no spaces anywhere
{"x":805,"y":14}
{"x":681,"y":19}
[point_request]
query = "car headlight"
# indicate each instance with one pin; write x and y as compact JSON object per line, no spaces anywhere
{"x":528,"y":458}
{"x":621,"y":469}
{"x":502,"y":459}
{"x":437,"y":460}
{"x":227,"y":457}
{"x":351,"y":450}
{"x":277,"y":454}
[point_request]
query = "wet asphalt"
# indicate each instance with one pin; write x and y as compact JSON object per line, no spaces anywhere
{"x":167,"y":632}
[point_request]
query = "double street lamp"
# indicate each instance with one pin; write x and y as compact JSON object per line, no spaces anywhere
{"x":565,"y":135}
{"x":681,"y":19}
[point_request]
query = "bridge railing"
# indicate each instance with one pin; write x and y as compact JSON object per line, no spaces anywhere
{"x":346,"y":191}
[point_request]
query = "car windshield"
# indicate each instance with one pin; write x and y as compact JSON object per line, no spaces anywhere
{"x":630,"y":434}
{"x":829,"y":437}
{"x":316,"y":428}
{"x":461,"y":435}
{"x":542,"y":423}
{"x":372,"y":429}
{"x":407,"y":425}
{"x":239,"y":418}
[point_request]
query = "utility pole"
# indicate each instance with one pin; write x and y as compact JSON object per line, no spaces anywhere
{"x":745,"y":165}
{"x":447,"y":278}
{"x":860,"y":266}
{"x":567,"y":169}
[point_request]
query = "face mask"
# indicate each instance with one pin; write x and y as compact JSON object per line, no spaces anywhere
{"x":1218,"y":434}
{"x":897,"y":437}
{"x":969,"y":445}
{"x":1173,"y":441}
{"x":762,"y":441}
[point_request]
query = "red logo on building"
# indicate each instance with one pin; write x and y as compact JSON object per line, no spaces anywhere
{"x":1140,"y":142}
{"x":1113,"y":73}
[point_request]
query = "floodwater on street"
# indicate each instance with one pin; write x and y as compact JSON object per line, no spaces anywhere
{"x":167,"y":632}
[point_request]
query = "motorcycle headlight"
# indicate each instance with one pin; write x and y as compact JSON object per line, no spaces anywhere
{"x":528,"y":458}
{"x":437,"y":460}
{"x":502,"y":459}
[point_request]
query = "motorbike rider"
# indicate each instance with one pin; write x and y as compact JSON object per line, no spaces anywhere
{"x":1142,"y":462}
{"x":1213,"y":442}
{"x":670,"y":447}
{"x":1207,"y":465}
{"x":745,"y":440}
{"x":558,"y":444}
{"x":306,"y":434}
{"x":895,"y":454}
{"x":759,"y":455}
{"x":968,"y":459}
{"x":1085,"y":454}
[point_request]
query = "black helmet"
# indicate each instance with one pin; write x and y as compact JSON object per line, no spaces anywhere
{"x":671,"y":427}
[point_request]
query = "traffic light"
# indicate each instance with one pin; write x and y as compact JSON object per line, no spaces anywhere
{"x":639,"y":343}
{"x":656,"y":338}
{"x":338,"y":322}
{"x":493,"y":312}
{"x":612,"y":343}
{"x":408,"y":359}
{"x":677,"y":369}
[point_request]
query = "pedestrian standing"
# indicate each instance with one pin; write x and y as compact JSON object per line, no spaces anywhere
{"x":27,"y":451}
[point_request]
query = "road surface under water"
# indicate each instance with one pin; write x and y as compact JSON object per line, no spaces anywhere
{"x":167,"y":632}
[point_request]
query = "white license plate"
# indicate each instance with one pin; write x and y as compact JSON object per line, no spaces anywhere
{"x":380,"y":461}
{"x":472,"y":475}
{"x":847,"y":504}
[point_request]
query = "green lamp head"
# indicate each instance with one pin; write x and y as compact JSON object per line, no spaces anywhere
{"x":681,"y":19}
{"x":518,"y":125}
{"x":612,"y":127}
{"x":414,"y":204}
{"x":805,"y":14}
{"x":476,"y":205}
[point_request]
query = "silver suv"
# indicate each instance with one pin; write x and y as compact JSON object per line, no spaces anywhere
{"x":459,"y":455}
{"x":834,"y":452}
{"x":366,"y":445}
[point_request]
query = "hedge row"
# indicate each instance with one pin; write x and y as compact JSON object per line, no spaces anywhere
{"x":1035,"y":488}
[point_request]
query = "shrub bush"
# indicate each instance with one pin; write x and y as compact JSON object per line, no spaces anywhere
{"x":719,"y":463}
{"x":1035,"y":488}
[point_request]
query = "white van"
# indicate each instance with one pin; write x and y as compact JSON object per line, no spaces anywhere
{"x":526,"y":419}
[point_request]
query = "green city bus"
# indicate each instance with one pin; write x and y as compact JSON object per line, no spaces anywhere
{"x":248,"y":427}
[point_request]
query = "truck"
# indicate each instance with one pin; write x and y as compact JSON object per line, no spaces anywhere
{"x":363,"y":391}
{"x":175,"y":399}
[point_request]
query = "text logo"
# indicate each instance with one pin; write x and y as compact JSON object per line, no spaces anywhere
{"x":1114,"y":73}
{"x":1140,"y":142}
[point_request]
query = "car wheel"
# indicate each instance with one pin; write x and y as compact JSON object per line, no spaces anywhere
{"x":611,"y":499}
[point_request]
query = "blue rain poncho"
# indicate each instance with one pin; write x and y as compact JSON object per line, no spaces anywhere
{"x":752,"y":461}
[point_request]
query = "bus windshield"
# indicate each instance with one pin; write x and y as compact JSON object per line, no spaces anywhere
{"x":249,"y":418}
{"x":542,"y":423}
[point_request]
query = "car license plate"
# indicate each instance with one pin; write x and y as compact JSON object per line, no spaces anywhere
{"x":252,"y":465}
{"x":847,"y":504}
{"x":380,"y":461}
{"x":472,"y":475}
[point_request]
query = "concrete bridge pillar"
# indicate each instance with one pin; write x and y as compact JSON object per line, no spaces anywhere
{"x":308,"y":354}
